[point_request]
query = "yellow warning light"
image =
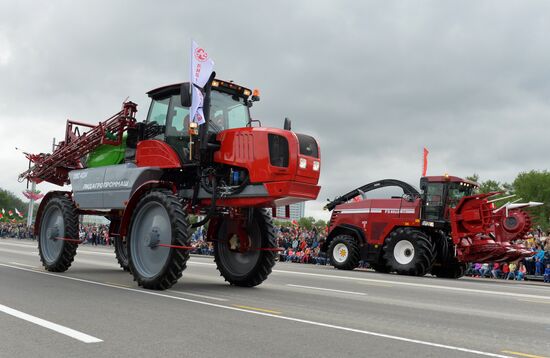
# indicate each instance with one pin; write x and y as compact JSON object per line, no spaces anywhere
{"x":215,"y":83}
{"x":256,"y":92}
{"x":193,"y":128}
{"x":246,"y":92}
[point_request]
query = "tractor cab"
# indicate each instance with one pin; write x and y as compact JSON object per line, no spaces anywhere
{"x":168,"y":119}
{"x":441,"y":193}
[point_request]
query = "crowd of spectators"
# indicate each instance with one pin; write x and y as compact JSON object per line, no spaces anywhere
{"x":301,"y":245}
{"x":95,"y":234}
{"x":16,"y":231}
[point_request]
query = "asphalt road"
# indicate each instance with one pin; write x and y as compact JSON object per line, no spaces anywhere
{"x":96,"y":310}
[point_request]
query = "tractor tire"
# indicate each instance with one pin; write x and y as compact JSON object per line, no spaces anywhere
{"x":344,"y":252}
{"x":453,"y":271}
{"x":250,"y":268}
{"x":408,"y":251}
{"x":121,"y":252}
{"x":157,"y":219}
{"x":59,"y":220}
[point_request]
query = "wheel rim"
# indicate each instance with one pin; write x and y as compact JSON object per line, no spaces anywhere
{"x":150,"y":228}
{"x":340,"y":253}
{"x":237,"y":263}
{"x":403,"y":252}
{"x":52,"y":227}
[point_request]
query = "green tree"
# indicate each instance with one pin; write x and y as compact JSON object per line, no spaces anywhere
{"x":535,"y":186}
{"x":9,"y":201}
{"x":473,"y":177}
{"x":306,"y":222}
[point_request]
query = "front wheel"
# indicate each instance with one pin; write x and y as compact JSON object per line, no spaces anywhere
{"x":59,"y":221}
{"x":409,"y":251}
{"x":158,"y":220}
{"x":344,"y":252}
{"x":250,"y":267}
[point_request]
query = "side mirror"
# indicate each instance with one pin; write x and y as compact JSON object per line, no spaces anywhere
{"x":287,"y":125}
{"x":185,"y":94}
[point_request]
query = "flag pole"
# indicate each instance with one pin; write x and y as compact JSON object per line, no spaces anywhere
{"x":31,"y":206}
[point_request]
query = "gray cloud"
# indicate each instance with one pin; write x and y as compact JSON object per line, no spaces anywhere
{"x":374,"y":81}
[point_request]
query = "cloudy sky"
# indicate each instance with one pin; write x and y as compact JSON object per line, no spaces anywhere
{"x":374,"y":81}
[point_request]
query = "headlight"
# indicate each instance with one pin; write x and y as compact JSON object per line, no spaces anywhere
{"x":316,"y":165}
{"x":303,"y":163}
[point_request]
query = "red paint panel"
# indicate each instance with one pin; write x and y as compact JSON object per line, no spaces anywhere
{"x":156,"y":153}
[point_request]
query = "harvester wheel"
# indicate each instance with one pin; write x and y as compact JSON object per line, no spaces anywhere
{"x":344,"y":252}
{"x":59,"y":220}
{"x":249,"y":268}
{"x":121,"y":252}
{"x":451,"y":271}
{"x":157,"y":219}
{"x":408,"y":252}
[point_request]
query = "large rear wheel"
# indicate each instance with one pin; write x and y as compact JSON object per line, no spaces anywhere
{"x":58,"y":221}
{"x":408,"y":251}
{"x":344,"y":252}
{"x":250,"y":267}
{"x":158,"y":219}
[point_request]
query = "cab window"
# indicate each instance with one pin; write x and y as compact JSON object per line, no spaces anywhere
{"x":158,"y":111}
{"x":178,"y":118}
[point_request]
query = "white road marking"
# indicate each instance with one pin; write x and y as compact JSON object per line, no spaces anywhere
{"x":286,"y":318}
{"x":31,"y":244}
{"x":83,"y":337}
{"x":328,"y":289}
{"x":25,"y":265}
{"x":201,"y":263}
{"x":19,"y":252}
{"x":422,"y":285}
{"x":197,"y":295}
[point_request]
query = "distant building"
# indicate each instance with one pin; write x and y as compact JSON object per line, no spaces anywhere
{"x":94,"y":220}
{"x":297,"y":211}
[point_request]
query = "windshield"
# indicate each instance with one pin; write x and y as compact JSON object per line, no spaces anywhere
{"x":457,"y":192}
{"x":227,"y":111}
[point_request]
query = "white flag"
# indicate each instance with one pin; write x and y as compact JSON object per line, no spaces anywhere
{"x":201,"y":69}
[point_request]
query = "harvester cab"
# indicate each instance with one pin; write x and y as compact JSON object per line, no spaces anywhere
{"x":440,"y":194}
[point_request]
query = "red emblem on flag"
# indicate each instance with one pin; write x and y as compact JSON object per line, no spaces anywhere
{"x":200,"y":54}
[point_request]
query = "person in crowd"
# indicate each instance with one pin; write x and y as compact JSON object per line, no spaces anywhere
{"x":485,"y":270}
{"x":512,"y":274}
{"x":520,"y":273}
{"x":505,"y":270}
{"x":547,"y":273}
{"x":496,"y":271}
{"x":477,"y":269}
{"x":538,"y":266}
